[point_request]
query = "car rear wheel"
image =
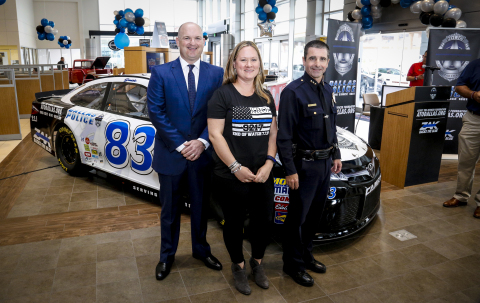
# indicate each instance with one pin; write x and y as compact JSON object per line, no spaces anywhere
{"x":66,"y":150}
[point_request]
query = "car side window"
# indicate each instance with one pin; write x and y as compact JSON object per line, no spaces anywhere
{"x":128,"y":98}
{"x":91,"y":96}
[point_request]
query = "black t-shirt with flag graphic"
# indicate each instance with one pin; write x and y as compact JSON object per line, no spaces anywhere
{"x":247,"y":127}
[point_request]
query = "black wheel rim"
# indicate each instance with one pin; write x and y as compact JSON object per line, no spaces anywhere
{"x":68,"y":149}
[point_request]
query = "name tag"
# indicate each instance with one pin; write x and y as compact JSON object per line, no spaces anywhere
{"x":314,"y":104}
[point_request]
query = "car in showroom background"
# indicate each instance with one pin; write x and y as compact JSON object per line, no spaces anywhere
{"x":104,"y":125}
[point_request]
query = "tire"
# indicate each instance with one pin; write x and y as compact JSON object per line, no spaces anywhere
{"x":66,"y":150}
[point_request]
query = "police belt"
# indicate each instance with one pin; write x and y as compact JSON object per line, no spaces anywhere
{"x":319,"y":154}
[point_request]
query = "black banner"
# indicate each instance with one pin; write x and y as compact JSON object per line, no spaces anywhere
{"x":451,"y":50}
{"x":343,"y":40}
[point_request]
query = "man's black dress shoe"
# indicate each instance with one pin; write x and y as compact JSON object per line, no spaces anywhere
{"x":301,"y":277}
{"x":316,"y":266}
{"x":210,"y":262}
{"x":162,"y":270}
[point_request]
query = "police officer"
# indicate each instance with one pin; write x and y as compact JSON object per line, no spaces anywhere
{"x":307,"y":143}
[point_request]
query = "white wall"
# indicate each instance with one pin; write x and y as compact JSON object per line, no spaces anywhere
{"x":26,"y":24}
{"x":8,"y":24}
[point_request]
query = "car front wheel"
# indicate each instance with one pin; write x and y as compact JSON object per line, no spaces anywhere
{"x":66,"y":150}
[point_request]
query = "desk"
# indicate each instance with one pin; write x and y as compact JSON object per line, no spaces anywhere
{"x":376,"y":126}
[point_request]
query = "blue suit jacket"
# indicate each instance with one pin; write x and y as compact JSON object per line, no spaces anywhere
{"x":169,"y":111}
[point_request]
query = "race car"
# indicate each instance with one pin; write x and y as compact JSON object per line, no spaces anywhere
{"x":104,"y":125}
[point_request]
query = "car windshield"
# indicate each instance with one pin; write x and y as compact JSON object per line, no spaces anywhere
{"x":82,"y":64}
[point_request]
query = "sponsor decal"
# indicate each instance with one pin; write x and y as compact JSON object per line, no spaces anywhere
{"x":280,"y":198}
{"x":431,"y":112}
{"x":448,"y":135}
{"x":143,"y":190}
{"x":87,"y":140}
{"x":34,"y":118}
{"x":344,"y":61}
{"x":98,"y":120}
{"x":87,"y":148}
{"x":94,"y":151}
{"x":373,"y":186}
{"x":43,"y":140}
{"x":281,"y":207}
{"x":87,"y":154}
{"x":93,"y":144}
{"x":130,"y":80}
{"x":332,"y":193}
{"x":433,"y":93}
{"x":281,"y":187}
{"x":51,"y":110}
{"x":80,"y":116}
{"x":280,"y":217}
{"x":34,"y":110}
{"x":451,"y":70}
{"x":429,"y":127}
{"x":371,"y":169}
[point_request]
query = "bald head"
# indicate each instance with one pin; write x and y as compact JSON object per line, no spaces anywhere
{"x":190,"y":42}
{"x":187,"y":26}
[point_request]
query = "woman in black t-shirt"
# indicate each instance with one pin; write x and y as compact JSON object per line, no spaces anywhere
{"x":243,"y":129}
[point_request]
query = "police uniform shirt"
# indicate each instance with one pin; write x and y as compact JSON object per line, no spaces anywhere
{"x":300,"y":119}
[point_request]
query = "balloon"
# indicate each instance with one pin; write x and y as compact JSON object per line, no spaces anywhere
{"x":357,"y":14}
{"x":272,"y":2}
{"x":67,"y":46}
{"x":41,"y":36}
{"x":349,"y":16}
{"x":117,"y":30}
{"x":115,"y":21}
{"x":2,"y":2}
{"x":367,"y":26}
{"x":405,"y":4}
{"x":395,"y":1}
{"x":275,"y":9}
{"x":454,"y":13}
{"x":461,"y":24}
{"x":121,"y":40}
{"x":366,"y":10}
{"x":139,"y":21}
{"x":51,"y":23}
{"x":115,"y":13}
{"x":416,"y":7}
{"x":374,"y":2}
{"x":377,"y":15}
{"x":123,"y":22}
{"x":425,"y":18}
{"x":69,"y":41}
{"x":50,"y":37}
{"x":436,"y":20}
{"x":48,"y":29}
{"x":147,"y":21}
{"x":118,"y":17}
{"x":44,"y":22}
{"x":385,"y":3}
{"x":122,"y":30}
{"x":121,"y":13}
{"x":359,"y":3}
{"x":267,"y":8}
{"x":427,"y":5}
{"x":140,"y":30}
{"x":262,"y":3}
{"x":131,"y":27}
{"x":259,"y":9}
{"x":449,"y":22}
{"x":128,"y":10}
{"x":367,"y":19}
{"x":130,"y":17}
{"x":40,"y":29}
{"x":365,"y":2}
{"x":451,"y":6}
{"x":262,"y":16}
{"x":376,"y":8}
{"x":441,"y":7}
{"x":55,"y":32}
{"x":139,"y":12}
{"x":65,"y":42}
{"x":271,"y":15}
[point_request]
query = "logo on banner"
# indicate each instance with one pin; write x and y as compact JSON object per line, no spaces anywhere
{"x":433,"y":93}
{"x":344,"y":61}
{"x":429,"y":127}
{"x":448,"y":135}
{"x":450,"y":70}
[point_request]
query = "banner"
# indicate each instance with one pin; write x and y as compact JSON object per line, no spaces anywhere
{"x":343,"y":40}
{"x":451,"y":50}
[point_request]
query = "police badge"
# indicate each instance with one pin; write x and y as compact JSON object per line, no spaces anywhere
{"x":451,"y":70}
{"x":344,"y":61}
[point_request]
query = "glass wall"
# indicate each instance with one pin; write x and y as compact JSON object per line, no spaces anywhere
{"x":53,"y":55}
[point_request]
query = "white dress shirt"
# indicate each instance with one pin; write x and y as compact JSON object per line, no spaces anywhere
{"x":196,"y":73}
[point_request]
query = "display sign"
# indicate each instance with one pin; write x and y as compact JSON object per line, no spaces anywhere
{"x":160,"y":36}
{"x":144,"y":42}
{"x":343,"y":40}
{"x":154,"y":59}
{"x":451,"y":50}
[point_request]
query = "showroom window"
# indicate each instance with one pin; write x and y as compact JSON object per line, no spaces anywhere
{"x":333,"y":10}
{"x":128,"y":98}
{"x":91,"y":97}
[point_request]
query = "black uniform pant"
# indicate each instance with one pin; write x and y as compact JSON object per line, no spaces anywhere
{"x":236,"y":200}
{"x":304,"y":212}
{"x":198,"y":179}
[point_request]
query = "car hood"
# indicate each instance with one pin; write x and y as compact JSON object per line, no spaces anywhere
{"x":351,"y":146}
{"x":100,"y":62}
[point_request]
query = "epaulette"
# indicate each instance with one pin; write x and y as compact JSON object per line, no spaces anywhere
{"x":296,"y":83}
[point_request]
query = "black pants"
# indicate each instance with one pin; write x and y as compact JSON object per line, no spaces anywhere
{"x":237,"y":199}
{"x":304,"y":212}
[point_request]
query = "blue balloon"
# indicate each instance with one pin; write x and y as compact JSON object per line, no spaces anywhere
{"x":131,"y":27}
{"x":404,"y":4}
{"x":140,"y":30}
{"x":50,"y":37}
{"x":128,"y":10}
{"x":272,"y":2}
{"x":123,"y":22}
{"x":366,"y":10}
{"x":367,"y":19}
{"x":367,"y":26}
{"x":2,"y":2}
{"x":262,"y":16}
{"x":122,"y":30}
{"x":121,"y":13}
{"x":51,"y":23}
{"x":68,"y":46}
{"x":271,"y":20}
{"x":204,"y":33}
{"x":365,"y":2}
{"x":115,"y":21}
{"x":121,"y":40}
{"x":275,"y":9}
{"x":44,"y":22}
{"x":450,"y":7}
{"x":41,"y":36}
{"x":139,"y":13}
{"x":259,"y":9}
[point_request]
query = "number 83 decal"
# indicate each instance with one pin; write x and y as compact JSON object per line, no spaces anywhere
{"x":332,"y":193}
{"x":117,"y":135}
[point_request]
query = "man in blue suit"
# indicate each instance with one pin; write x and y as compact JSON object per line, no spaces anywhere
{"x":178,"y":93}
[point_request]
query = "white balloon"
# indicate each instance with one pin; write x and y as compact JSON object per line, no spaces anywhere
{"x":427,"y":5}
{"x":374,"y":2}
{"x":377,"y":15}
{"x":65,"y":42}
{"x":130,"y":17}
{"x":416,"y":7}
{"x":395,"y":1}
{"x":461,"y":24}
{"x":55,"y":32}
{"x":359,"y":3}
{"x":267,"y":8}
{"x":115,"y":13}
{"x":376,"y":8}
{"x":68,"y":37}
{"x":356,"y":14}
{"x":147,"y":21}
{"x":454,"y":13}
{"x":48,"y":29}
{"x":441,"y":7}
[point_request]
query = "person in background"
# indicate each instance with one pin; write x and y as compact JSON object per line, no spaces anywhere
{"x":177,"y":97}
{"x":468,"y":86}
{"x":243,"y":131}
{"x":416,"y":72}
{"x":62,"y":61}
{"x":308,"y":148}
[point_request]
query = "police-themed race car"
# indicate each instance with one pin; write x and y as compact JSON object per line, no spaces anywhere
{"x":104,"y":125}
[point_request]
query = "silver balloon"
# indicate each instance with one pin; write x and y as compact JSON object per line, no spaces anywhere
{"x":454,"y":13}
{"x":377,"y":15}
{"x":48,"y":29}
{"x":376,"y":8}
{"x":147,"y":22}
{"x":65,"y":42}
{"x":267,"y":8}
{"x":441,"y":7}
{"x":115,"y":13}
{"x":359,"y":3}
{"x":130,"y":17}
{"x":374,"y":2}
{"x":55,"y":32}
{"x":68,"y":37}
{"x":416,"y":7}
{"x":356,"y":14}
{"x":395,"y":1}
{"x":461,"y":24}
{"x":427,"y":5}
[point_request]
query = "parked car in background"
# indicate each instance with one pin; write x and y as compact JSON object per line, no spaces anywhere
{"x":298,"y":71}
{"x":85,"y":70}
{"x":367,"y":82}
{"x":392,"y":76}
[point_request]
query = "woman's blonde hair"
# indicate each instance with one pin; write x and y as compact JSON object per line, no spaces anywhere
{"x":230,"y":75}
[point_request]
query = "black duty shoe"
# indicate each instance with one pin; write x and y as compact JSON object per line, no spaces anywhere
{"x":316,"y":266}
{"x":301,"y":277}
{"x":210,"y":262}
{"x":162,"y":270}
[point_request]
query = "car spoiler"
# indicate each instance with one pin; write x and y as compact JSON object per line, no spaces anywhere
{"x":53,"y":93}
